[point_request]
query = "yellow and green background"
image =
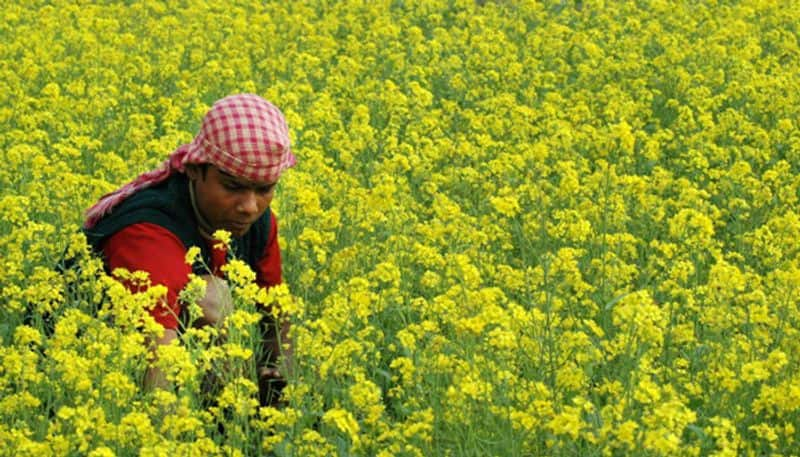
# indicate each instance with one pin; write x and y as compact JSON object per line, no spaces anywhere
{"x":516,"y":228}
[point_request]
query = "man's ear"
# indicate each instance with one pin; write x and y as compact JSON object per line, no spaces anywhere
{"x":193,"y":172}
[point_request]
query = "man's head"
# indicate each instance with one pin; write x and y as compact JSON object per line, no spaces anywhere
{"x":245,"y":136}
{"x":244,"y":140}
{"x":236,"y":159}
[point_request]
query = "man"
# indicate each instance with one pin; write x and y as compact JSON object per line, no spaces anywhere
{"x":224,"y":179}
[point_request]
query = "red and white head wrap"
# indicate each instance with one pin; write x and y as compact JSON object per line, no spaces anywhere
{"x":243,"y":135}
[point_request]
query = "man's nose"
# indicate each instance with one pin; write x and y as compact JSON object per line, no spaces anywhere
{"x":248,"y":203}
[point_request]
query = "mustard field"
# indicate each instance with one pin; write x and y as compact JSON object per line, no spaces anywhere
{"x":516,"y":228}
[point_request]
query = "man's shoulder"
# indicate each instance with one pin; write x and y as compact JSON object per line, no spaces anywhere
{"x":164,"y":205}
{"x":168,"y":196}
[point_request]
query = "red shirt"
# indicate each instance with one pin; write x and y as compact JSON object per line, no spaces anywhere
{"x":156,"y":250}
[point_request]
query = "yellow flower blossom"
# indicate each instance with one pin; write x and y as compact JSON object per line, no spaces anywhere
{"x":222,"y":238}
{"x":344,"y":421}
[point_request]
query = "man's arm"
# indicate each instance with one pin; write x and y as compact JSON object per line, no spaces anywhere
{"x":157,"y":251}
{"x":154,"y":249}
{"x":154,"y":378}
{"x":269,"y":274}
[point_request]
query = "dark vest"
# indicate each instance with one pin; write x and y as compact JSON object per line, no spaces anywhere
{"x":168,"y":205}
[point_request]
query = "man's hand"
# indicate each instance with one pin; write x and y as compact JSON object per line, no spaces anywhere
{"x":217,"y":303}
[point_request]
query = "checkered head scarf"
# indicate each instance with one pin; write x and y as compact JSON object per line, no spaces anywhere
{"x":243,"y":135}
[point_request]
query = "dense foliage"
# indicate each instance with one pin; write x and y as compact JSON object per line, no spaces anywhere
{"x":515,"y":227}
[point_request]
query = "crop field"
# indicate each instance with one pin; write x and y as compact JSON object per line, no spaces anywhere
{"x":515,"y":228}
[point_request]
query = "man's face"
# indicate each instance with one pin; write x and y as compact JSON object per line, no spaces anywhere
{"x":228,"y":202}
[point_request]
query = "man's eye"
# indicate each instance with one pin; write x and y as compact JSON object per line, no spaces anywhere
{"x":264,"y":189}
{"x":231,"y":186}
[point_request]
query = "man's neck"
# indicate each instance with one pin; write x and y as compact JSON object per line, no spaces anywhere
{"x":203,"y":226}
